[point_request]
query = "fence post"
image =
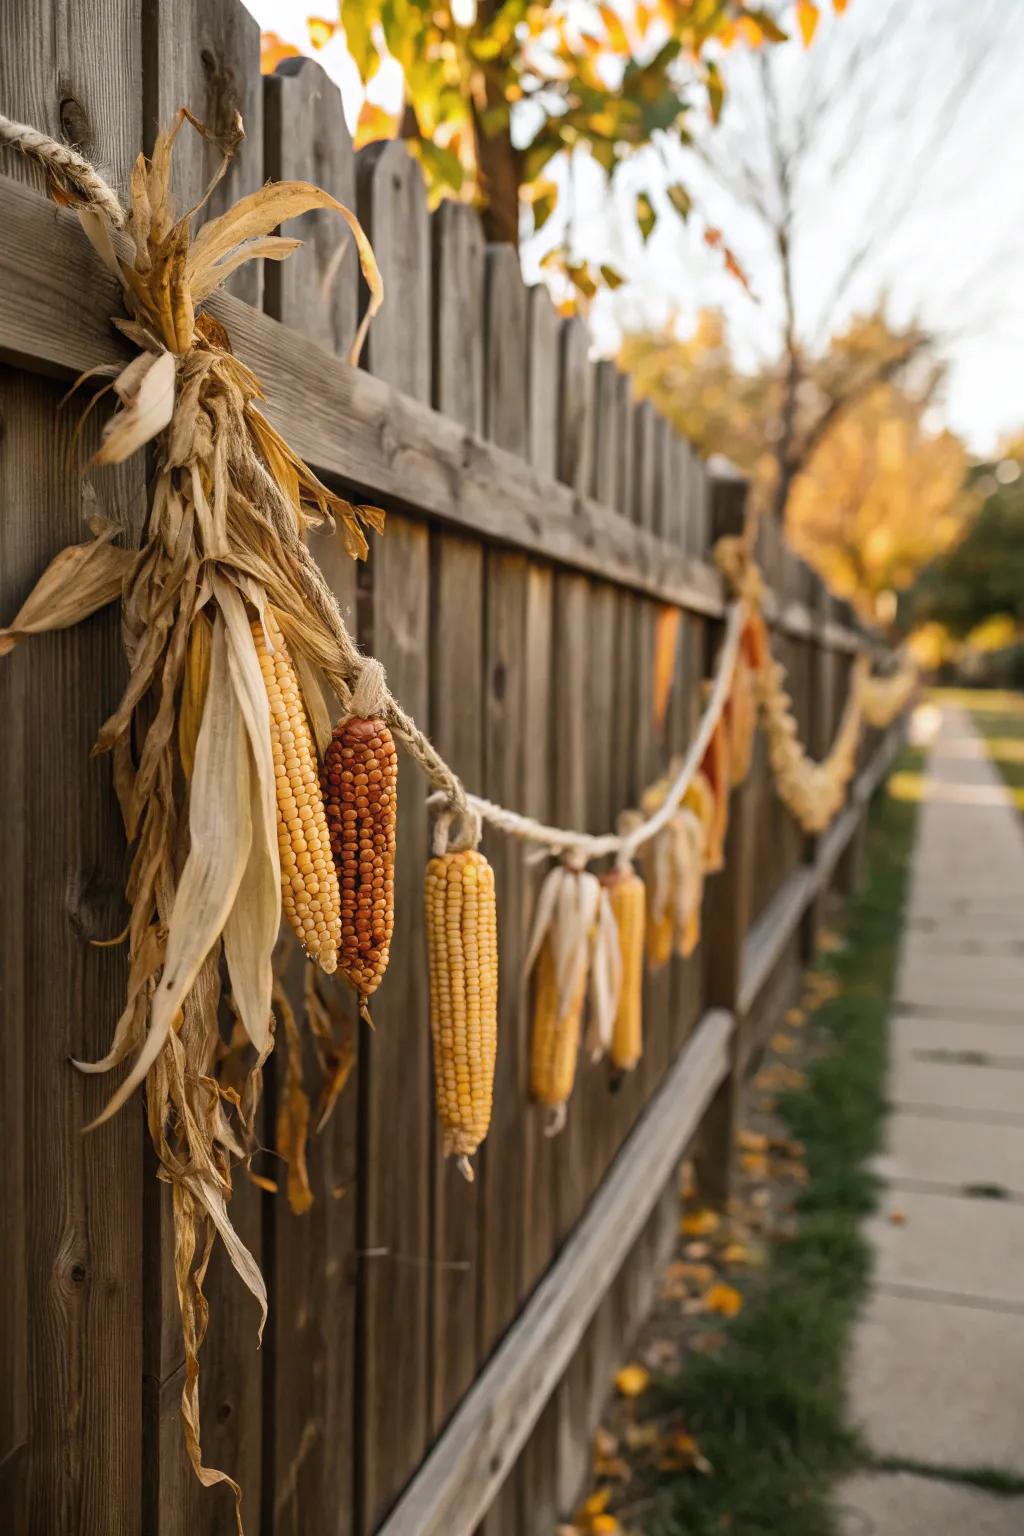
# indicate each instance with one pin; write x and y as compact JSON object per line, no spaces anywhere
{"x":726,"y":921}
{"x":819,"y":738}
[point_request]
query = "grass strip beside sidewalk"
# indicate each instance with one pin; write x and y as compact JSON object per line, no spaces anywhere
{"x":769,"y":1411}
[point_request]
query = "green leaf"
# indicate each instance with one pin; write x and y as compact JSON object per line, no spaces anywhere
{"x":645,"y":215}
{"x":543,"y":208}
{"x":770,"y":28}
{"x":680,"y":199}
{"x":716,"y":89}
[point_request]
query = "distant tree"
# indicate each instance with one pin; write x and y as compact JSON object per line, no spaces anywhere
{"x":981,"y":579}
{"x":875,"y":492}
{"x":495,"y":89}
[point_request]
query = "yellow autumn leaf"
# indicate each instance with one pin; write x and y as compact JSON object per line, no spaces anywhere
{"x":736,"y":1253}
{"x":605,"y":1525}
{"x":374,"y":122}
{"x":724,"y":1299}
{"x":700,"y":1223}
{"x":783,"y":1043}
{"x":752,"y":1141}
{"x":595,"y":1505}
{"x":632,"y":1380}
{"x":755,"y":1163}
{"x":794,"y":1018}
{"x":320,"y":30}
{"x":808,"y":16}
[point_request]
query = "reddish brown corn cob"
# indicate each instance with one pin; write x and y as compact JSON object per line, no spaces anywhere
{"x":309,"y":885}
{"x":361,"y":791}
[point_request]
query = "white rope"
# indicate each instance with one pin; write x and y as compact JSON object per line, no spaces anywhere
{"x":585,"y":846}
{"x":65,"y":165}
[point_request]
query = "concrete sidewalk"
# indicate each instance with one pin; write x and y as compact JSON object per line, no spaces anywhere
{"x":937,"y":1370}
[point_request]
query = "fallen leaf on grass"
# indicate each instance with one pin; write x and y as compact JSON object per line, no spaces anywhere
{"x":752,"y":1141}
{"x":662,"y":1355}
{"x":698,"y":1275}
{"x":700,"y":1223}
{"x":709,"y":1343}
{"x":605,"y":1443}
{"x":592,"y":1518}
{"x":724,"y":1299}
{"x":642,"y":1437}
{"x":794,"y":1018}
{"x":632,"y":1380}
{"x":783,"y":1043}
{"x":682,"y":1454}
{"x":736,"y":1253}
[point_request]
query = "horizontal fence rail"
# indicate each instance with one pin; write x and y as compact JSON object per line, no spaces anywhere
{"x":437,"y":1352}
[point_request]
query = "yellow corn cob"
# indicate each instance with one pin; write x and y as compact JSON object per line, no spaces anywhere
{"x":742,"y":720}
{"x":555,"y":1041}
{"x":628,"y":900}
{"x":660,"y":935}
{"x":462,"y":944}
{"x":309,"y":884}
{"x":361,"y":791}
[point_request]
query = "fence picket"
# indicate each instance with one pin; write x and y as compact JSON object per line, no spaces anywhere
{"x":396,"y":1095}
{"x":457,"y":591}
{"x":316,"y":291}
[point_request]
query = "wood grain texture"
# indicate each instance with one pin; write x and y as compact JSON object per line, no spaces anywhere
{"x":542,"y":352}
{"x":310,"y":1260}
{"x":458,"y":1480}
{"x":70,"y":1206}
{"x":576,"y":395}
{"x":316,"y":291}
{"x":391,"y":197}
{"x":456,"y":724}
{"x":348,"y":425}
{"x":396,"y":1091}
{"x":205,"y":55}
{"x":458,"y":312}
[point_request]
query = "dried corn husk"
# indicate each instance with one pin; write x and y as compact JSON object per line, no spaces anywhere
{"x":190,"y":741}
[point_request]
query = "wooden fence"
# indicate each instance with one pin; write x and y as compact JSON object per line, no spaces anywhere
{"x":541,"y":524}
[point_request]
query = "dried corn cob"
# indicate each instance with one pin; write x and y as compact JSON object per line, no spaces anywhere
{"x":715,"y":768}
{"x":700,"y":799}
{"x":563,"y":929}
{"x":361,"y":795}
{"x":309,"y":885}
{"x":462,"y":942}
{"x":627,"y":897}
{"x":742,"y":718}
{"x":555,"y":1041}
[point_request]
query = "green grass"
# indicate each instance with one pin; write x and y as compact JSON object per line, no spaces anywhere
{"x":769,"y":1411}
{"x":999,"y":716}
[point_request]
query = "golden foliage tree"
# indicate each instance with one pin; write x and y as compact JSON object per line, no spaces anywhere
{"x":873,"y":492}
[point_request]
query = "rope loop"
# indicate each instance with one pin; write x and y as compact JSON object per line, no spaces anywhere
{"x":67,"y":170}
{"x":456,"y":827}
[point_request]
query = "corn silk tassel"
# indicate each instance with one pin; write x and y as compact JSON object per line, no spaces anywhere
{"x":214,"y":758}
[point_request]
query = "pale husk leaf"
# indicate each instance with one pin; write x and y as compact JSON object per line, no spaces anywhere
{"x":146,"y":391}
{"x":220,"y":829}
{"x":78,"y":582}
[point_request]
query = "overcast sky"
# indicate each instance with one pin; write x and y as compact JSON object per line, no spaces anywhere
{"x":929,"y":145}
